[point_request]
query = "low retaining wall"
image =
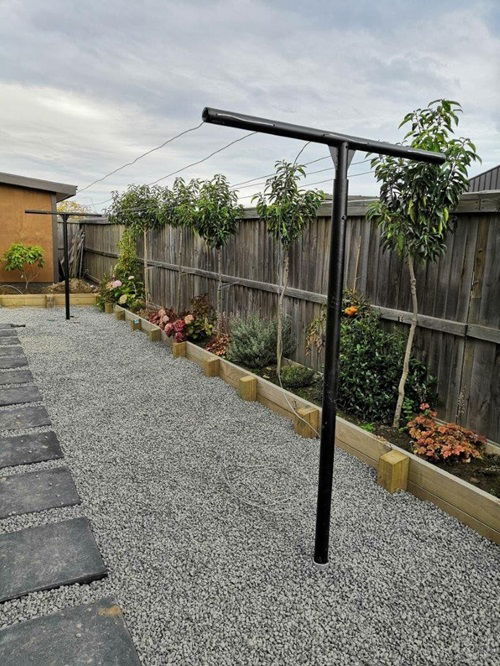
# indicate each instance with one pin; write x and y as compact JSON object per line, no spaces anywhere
{"x":472,"y":506}
{"x":45,"y":300}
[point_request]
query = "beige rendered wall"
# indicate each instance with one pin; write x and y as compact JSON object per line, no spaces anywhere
{"x":16,"y":226}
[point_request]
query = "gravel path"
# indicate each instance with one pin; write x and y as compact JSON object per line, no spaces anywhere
{"x":203,"y":507}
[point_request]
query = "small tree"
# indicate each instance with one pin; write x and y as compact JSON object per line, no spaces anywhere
{"x":138,"y":208}
{"x":179,"y":209}
{"x":414,"y":211}
{"x":27,"y":259}
{"x":286,"y":210}
{"x":70,"y":206}
{"x":215,"y":221}
{"x":128,"y":263}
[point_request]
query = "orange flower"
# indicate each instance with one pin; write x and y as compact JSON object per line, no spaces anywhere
{"x":351,"y":311}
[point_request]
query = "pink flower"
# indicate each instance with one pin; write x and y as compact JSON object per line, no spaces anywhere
{"x":188,"y":319}
{"x":179,"y":337}
{"x":116,"y":283}
{"x":179,"y":325}
{"x":165,"y":318}
{"x":169,"y":328}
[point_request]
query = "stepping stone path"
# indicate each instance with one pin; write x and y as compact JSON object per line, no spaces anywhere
{"x":6,"y":341}
{"x":32,"y":448}
{"x":37,"y":491}
{"x":15,"y":396}
{"x":54,"y":554}
{"x":8,"y":333}
{"x":22,"y":418}
{"x":15,"y":377}
{"x":7,"y":362}
{"x":95,"y":632}
{"x":41,"y":558}
{"x":11,"y":350}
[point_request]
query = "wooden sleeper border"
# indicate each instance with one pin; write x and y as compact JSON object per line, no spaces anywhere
{"x":45,"y":300}
{"x":396,"y":467}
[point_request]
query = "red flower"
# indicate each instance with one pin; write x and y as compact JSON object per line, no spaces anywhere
{"x":179,"y":325}
{"x":179,"y":337}
{"x":169,"y":328}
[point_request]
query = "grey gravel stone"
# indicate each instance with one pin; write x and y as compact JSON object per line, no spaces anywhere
{"x":203,"y":507}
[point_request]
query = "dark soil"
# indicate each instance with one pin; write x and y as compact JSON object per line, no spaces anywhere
{"x":484,"y":473}
{"x":76,"y":286}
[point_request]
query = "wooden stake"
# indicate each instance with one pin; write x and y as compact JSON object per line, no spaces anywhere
{"x":155,"y":334}
{"x":178,"y":349}
{"x":120,"y":314}
{"x":392,"y":473}
{"x":108,"y":308}
{"x":307,"y":422}
{"x":211,"y":367}
{"x":247,"y":388}
{"x":50,"y":301}
{"x":135,"y":324}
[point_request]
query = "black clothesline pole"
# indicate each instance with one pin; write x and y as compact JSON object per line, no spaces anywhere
{"x":342,"y":148}
{"x":65,"y":247}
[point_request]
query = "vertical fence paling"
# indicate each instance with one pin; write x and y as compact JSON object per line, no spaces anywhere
{"x":463,"y":286}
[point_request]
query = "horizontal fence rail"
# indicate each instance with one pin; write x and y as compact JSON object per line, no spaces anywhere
{"x":459,"y":296}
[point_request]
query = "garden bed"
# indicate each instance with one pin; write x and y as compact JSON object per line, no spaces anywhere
{"x":483,"y":473}
{"x":471,"y":505}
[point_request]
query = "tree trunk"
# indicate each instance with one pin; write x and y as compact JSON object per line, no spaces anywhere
{"x":219,"y":291}
{"x":409,"y":344}
{"x":279,"y":327}
{"x":179,"y":270}
{"x":146,"y":276}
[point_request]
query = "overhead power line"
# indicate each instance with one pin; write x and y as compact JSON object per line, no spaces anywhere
{"x":249,"y":196}
{"x":270,"y":175}
{"x":148,"y":152}
{"x":318,"y":182}
{"x":204,"y":159}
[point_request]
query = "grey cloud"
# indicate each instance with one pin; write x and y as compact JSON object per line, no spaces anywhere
{"x":88,"y":85}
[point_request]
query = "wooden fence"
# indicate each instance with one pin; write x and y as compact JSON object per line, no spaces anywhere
{"x":459,"y":296}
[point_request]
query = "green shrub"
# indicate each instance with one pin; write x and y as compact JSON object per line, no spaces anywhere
{"x":27,"y":259}
{"x":125,"y":286}
{"x":253,"y":341}
{"x":370,"y":368}
{"x":128,"y":262}
{"x":297,"y":376}
{"x":127,"y":293}
{"x":370,"y":364}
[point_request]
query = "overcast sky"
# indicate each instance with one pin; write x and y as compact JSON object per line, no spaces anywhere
{"x":86,"y":86}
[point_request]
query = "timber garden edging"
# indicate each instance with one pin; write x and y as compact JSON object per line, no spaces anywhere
{"x":45,"y":300}
{"x":472,"y":506}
